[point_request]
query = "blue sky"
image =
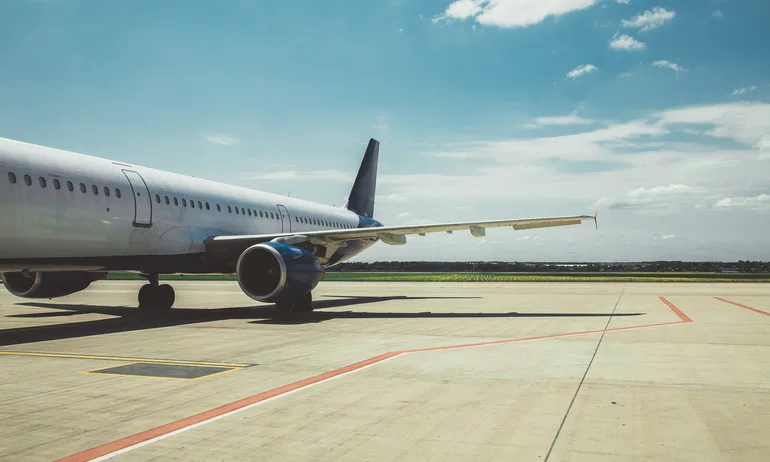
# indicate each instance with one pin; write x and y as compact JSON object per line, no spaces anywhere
{"x":667,"y":133}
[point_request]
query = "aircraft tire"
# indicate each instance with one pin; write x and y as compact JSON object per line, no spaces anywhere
{"x":156,"y":297}
{"x":166,"y":296}
{"x":304,"y":304}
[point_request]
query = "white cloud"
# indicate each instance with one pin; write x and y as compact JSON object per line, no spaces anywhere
{"x":393,"y":198}
{"x":650,"y":19}
{"x":572,"y":119}
{"x":764,"y":147}
{"x":221,"y":139}
{"x":461,"y":9}
{"x":294,"y":175}
{"x":717,"y":14}
{"x":741,"y":91}
{"x":623,"y":2}
{"x":625,"y":74}
{"x":452,"y":154}
{"x":511,"y":13}
{"x":580,"y":70}
{"x":754,"y":204}
{"x":626,"y":42}
{"x":657,"y":198}
{"x":662,"y":63}
{"x":745,"y":122}
{"x":667,"y":237}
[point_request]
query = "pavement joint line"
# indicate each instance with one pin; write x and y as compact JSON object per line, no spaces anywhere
{"x":756,"y":310}
{"x":131,"y":442}
{"x":126,"y":359}
{"x":583,"y":378}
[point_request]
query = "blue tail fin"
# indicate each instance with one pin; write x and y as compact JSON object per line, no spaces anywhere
{"x":361,"y":199}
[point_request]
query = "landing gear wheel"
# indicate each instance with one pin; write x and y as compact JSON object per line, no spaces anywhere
{"x":146,"y":296}
{"x":153,"y":297}
{"x":284,"y":307}
{"x":304,"y":304}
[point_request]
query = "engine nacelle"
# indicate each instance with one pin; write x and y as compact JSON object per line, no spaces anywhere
{"x":273,"y":272}
{"x":48,"y":284}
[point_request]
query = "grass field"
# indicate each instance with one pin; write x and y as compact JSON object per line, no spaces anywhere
{"x":492,"y":277}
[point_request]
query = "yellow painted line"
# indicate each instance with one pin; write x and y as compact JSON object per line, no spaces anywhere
{"x":96,"y":371}
{"x":120,"y":358}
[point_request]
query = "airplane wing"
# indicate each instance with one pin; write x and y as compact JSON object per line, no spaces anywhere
{"x":391,"y":235}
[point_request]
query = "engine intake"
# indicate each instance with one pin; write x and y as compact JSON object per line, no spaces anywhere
{"x":48,"y":284}
{"x":272,"y":272}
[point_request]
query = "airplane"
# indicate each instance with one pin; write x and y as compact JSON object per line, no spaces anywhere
{"x":68,"y":219}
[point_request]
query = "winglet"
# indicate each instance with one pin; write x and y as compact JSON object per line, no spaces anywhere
{"x":596,"y":223}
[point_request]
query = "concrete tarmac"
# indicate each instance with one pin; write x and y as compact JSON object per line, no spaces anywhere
{"x":391,"y":371}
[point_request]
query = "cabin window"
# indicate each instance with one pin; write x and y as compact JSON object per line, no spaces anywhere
{"x":12,"y":177}
{"x":255,"y":212}
{"x":56,"y":184}
{"x":207,"y":206}
{"x":28,"y":180}
{"x":249,"y":211}
{"x":243,"y":211}
{"x":176,"y":202}
{"x":117,"y":193}
{"x":95,"y":189}
{"x":157,"y":198}
{"x":192,"y":203}
{"x":83,"y":188}
{"x":42,"y":182}
{"x":236,"y":211}
{"x":229,"y":209}
{"x":200,"y":205}
{"x":260,"y":214}
{"x":296,"y":219}
{"x":219,"y":209}
{"x":70,"y":187}
{"x":107,"y":191}
{"x":184,"y":202}
{"x":165,"y":198}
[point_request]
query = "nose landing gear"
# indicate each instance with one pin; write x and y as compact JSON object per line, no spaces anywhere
{"x":155,"y":296}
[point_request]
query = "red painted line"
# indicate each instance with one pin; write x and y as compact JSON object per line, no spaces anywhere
{"x":757,"y":310}
{"x":145,"y":437}
{"x":539,"y":337}
{"x":203,"y":416}
{"x":676,"y":310}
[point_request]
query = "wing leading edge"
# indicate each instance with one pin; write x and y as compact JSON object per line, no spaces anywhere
{"x":391,"y":235}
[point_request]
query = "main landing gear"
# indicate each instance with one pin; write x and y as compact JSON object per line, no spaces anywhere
{"x":303,"y":304}
{"x":153,"y":296}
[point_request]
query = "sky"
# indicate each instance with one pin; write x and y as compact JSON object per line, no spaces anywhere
{"x":656,"y":113}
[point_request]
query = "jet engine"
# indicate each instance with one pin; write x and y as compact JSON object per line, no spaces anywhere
{"x":49,"y":284}
{"x":276,"y":272}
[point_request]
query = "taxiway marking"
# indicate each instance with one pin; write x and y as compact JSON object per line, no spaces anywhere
{"x":120,"y":358}
{"x":757,"y":310}
{"x":129,"y":443}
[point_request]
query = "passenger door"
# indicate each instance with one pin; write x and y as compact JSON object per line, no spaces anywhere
{"x":285,"y":219}
{"x":142,"y":201}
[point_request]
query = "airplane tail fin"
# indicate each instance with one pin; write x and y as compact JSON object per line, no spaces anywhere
{"x":361,"y":199}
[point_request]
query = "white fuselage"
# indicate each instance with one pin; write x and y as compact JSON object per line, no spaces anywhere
{"x":158,"y":213}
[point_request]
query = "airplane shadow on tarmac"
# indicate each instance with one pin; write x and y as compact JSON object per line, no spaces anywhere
{"x":126,"y":319}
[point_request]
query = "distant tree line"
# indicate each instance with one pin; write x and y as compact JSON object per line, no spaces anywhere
{"x":560,"y":267}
